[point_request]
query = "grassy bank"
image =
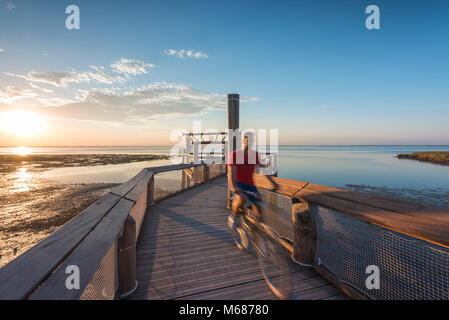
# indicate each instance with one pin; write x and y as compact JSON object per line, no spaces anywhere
{"x":440,"y":157}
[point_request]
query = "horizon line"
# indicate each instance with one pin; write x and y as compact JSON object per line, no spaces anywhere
{"x":280,"y":145}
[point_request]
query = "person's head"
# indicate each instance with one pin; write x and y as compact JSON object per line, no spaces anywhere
{"x":248,"y":140}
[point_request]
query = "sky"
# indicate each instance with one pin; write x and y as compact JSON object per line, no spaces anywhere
{"x":137,"y":70}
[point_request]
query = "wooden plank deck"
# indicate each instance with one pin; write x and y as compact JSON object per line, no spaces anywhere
{"x":185,"y":251}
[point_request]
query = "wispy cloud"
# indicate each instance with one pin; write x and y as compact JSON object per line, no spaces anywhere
{"x":131,"y":66}
{"x":183,"y":53}
{"x":61,"y":79}
{"x":138,"y":106}
{"x":2,"y":50}
{"x":54,"y":101}
{"x":125,"y":67}
{"x":111,"y":101}
{"x":40,"y":88}
{"x":324,"y":107}
{"x":13,"y":93}
{"x":10,"y":5}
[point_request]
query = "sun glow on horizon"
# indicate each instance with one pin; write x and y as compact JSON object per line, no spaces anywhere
{"x":22,"y":151}
{"x":22,"y":123}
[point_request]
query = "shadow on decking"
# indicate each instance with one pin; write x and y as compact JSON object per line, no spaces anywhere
{"x":160,"y":220}
{"x":186,"y":250}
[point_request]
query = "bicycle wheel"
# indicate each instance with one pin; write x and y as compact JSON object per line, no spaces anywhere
{"x":274,"y":265}
{"x":238,"y":233}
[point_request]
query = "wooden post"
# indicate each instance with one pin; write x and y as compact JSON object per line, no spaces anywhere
{"x":304,"y":230}
{"x":197,"y":175}
{"x":206,"y":173}
{"x":150,"y":194}
{"x":194,"y":175}
{"x":183,"y":179}
{"x":127,"y":259}
{"x":233,"y":124}
{"x":187,"y":177}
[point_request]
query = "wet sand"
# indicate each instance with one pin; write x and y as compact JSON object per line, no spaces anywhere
{"x":32,"y":207}
{"x":28,"y":217}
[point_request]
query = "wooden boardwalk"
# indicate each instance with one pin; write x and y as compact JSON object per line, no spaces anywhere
{"x":185,"y":251}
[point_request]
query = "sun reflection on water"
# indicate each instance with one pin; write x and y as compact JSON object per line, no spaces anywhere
{"x":22,"y":181}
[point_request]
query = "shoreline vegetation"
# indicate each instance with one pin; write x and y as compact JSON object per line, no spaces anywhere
{"x":437,"y":157}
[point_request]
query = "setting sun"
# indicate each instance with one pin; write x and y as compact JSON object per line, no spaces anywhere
{"x":22,"y":123}
{"x":22,"y":151}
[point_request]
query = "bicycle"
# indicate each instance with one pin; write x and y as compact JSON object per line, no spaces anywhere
{"x":273,"y":262}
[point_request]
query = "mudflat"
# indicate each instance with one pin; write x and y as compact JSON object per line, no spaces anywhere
{"x":10,"y":162}
{"x":33,"y":207}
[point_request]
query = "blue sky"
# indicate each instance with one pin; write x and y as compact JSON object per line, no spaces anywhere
{"x":308,"y":68}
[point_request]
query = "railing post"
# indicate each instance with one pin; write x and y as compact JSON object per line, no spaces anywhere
{"x":127,"y":259}
{"x":304,"y":230}
{"x":229,"y":206}
{"x":150,"y":195}
{"x":196,"y":175}
{"x":183,"y":179}
{"x":206,"y":173}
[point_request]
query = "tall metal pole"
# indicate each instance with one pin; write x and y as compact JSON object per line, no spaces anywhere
{"x":233,"y":110}
{"x":233,"y":124}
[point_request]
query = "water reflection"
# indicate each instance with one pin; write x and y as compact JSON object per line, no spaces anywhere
{"x":370,"y":165}
{"x":329,"y":165}
{"x":21,"y":180}
{"x":111,"y":173}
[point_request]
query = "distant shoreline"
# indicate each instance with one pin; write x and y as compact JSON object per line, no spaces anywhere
{"x":438,"y":157}
{"x":280,"y":145}
{"x":39,"y":162}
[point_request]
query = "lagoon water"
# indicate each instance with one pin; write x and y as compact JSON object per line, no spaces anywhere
{"x":29,"y":195}
{"x":329,"y":165}
{"x":362,"y":165}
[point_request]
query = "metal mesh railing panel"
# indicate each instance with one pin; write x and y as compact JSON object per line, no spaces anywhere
{"x":104,"y":282}
{"x":409,"y":268}
{"x":277,"y":213}
{"x":167,"y":183}
{"x":139,"y":209}
{"x":194,"y":176}
{"x":216,"y":170}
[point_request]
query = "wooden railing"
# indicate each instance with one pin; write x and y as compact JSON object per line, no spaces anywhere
{"x":99,"y":243}
{"x":416,"y":230}
{"x":101,"y":240}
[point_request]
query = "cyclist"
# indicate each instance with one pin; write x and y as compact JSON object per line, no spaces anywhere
{"x":242,"y":164}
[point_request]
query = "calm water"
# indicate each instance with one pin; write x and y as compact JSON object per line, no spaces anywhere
{"x":368,"y":165}
{"x":328,"y":165}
